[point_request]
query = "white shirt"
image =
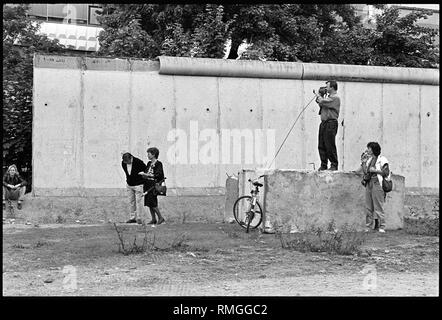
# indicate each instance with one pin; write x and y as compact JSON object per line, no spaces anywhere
{"x":129,"y":168}
{"x":378,"y":166}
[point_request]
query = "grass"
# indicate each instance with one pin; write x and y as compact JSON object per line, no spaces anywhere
{"x":199,"y":255}
{"x":345,"y":241}
{"x":148,"y":243}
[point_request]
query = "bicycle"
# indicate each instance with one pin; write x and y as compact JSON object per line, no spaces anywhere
{"x":249,"y":207}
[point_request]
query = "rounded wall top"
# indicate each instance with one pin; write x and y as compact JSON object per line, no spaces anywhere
{"x":185,"y":66}
{"x":295,"y":70}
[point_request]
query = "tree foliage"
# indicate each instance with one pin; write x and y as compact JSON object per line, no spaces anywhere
{"x":400,"y":42}
{"x":20,"y":42}
{"x":325,"y":33}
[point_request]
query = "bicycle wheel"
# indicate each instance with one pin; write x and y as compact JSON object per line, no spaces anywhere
{"x":242,"y":210}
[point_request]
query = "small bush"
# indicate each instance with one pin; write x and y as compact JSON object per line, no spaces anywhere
{"x":133,"y":248}
{"x":78,"y":212}
{"x":40,"y":244}
{"x":20,"y":246}
{"x":346,"y":241}
{"x":422,"y":226}
{"x":148,"y":243}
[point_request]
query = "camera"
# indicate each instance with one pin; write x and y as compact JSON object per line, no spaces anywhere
{"x":364,"y":155}
{"x":366,"y":179}
{"x":322,"y":91}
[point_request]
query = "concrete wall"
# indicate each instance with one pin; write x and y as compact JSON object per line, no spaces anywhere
{"x":295,"y":200}
{"x":87,"y":111}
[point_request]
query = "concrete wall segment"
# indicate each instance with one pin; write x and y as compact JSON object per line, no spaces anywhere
{"x":229,"y":68}
{"x":248,"y":69}
{"x":295,"y":70}
{"x":402,"y":117}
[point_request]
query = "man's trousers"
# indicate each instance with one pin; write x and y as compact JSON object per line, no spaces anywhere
{"x":374,"y":203}
{"x":136,"y":201}
{"x":327,"y":145}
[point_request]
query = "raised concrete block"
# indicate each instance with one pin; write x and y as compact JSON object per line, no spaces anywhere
{"x":232,"y":192}
{"x":422,"y":211}
{"x":296,"y":200}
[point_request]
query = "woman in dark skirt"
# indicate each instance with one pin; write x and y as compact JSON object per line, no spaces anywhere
{"x":154,"y":173}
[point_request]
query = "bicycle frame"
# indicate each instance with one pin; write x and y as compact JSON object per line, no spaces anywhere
{"x":250,"y":209}
{"x":254,"y":194}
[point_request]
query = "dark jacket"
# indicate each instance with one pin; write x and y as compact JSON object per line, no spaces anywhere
{"x":14,"y":180}
{"x":134,"y":179}
{"x":157,"y":171}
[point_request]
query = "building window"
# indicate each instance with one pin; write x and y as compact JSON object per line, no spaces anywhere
{"x":92,"y":16}
{"x":38,"y":10}
{"x":68,"y":13}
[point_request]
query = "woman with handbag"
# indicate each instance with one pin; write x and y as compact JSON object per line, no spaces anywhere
{"x":375,"y":168}
{"x":154,"y":176}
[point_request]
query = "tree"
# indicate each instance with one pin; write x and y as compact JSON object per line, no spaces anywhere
{"x":176,"y":30}
{"x":288,"y":32}
{"x":400,"y":42}
{"x":20,"y":42}
{"x":301,"y":31}
{"x":326,"y":33}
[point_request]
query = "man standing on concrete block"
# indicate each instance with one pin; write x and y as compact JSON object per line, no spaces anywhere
{"x":329,"y":112}
{"x":132,"y":166}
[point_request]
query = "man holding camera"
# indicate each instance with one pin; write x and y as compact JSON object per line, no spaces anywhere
{"x":329,"y":104}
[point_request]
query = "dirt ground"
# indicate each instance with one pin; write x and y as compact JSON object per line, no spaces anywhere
{"x":211,"y":260}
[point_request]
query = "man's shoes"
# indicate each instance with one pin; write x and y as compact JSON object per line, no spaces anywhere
{"x":133,"y":220}
{"x":322,"y":168}
{"x":333,"y":169}
{"x":381,"y":230}
{"x":19,"y":205}
{"x":152,"y":222}
{"x":160,"y":221}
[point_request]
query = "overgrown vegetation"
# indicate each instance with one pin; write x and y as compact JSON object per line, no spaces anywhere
{"x":322,"y":33}
{"x":148,"y":243}
{"x":346,"y":241}
{"x":20,"y":41}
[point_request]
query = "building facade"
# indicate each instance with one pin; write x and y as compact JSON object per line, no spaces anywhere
{"x":74,"y":25}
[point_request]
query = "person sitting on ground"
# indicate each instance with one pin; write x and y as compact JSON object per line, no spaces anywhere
{"x":14,"y":187}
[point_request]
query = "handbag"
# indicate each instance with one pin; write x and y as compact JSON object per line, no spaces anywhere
{"x":387,"y":185}
{"x":160,"y":188}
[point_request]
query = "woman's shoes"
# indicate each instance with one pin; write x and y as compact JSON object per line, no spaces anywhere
{"x":160,"y":221}
{"x":152,"y":222}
